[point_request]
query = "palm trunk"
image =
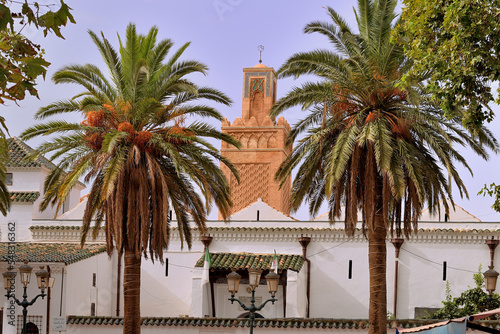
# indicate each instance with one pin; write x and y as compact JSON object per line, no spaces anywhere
{"x":131,"y":293}
{"x":377,"y":314}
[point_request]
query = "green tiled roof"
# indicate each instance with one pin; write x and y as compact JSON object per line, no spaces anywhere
{"x":320,"y":323}
{"x":252,"y":261}
{"x":18,"y":150}
{"x":24,"y":196}
{"x":50,"y":252}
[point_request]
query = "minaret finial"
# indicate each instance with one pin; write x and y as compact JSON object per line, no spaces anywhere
{"x":260,"y":48}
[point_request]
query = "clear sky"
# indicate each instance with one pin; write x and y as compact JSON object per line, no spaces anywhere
{"x":224,"y":34}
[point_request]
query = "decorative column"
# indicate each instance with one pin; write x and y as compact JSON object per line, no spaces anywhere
{"x":492,"y":245}
{"x":207,"y":240}
{"x":304,"y":242}
{"x":397,"y":242}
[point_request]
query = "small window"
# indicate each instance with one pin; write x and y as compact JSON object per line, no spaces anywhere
{"x":8,"y":179}
{"x":33,"y":324}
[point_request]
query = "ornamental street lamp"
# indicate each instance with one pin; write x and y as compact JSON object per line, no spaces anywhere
{"x":490,"y":279}
{"x":233,"y":282}
{"x":43,"y":280}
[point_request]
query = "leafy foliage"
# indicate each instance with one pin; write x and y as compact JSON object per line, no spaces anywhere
{"x":5,"y":200}
{"x":493,"y":191}
{"x":472,"y":301}
{"x":21,"y":60}
{"x":457,"y":42}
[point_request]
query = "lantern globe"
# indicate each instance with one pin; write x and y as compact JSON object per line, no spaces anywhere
{"x":490,"y":279}
{"x":9,"y":280}
{"x":51,"y":282}
{"x":233,"y":282}
{"x":254,"y":278}
{"x":25,"y":271}
{"x":272,"y":280}
{"x":42,"y":277}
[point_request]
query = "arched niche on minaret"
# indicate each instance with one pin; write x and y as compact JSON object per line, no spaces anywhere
{"x":257,"y":104}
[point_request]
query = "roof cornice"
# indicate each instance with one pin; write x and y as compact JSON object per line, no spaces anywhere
{"x":53,"y":233}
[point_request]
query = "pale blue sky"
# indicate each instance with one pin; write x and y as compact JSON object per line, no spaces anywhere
{"x":224,"y":34}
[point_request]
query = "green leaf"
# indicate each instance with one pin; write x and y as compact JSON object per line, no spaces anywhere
{"x":54,"y":20}
{"x":4,"y":44}
{"x":28,"y":12}
{"x":35,"y":66}
{"x":5,"y":17}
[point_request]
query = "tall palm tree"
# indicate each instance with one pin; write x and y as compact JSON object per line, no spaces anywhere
{"x":368,"y":143}
{"x":135,"y":149}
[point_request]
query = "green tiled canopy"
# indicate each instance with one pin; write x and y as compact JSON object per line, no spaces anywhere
{"x":346,"y":325}
{"x":252,"y":261}
{"x":42,"y":252}
{"x":24,"y":196}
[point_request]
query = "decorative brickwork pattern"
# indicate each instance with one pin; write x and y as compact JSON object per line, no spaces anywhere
{"x":253,"y":185}
{"x":285,"y":200}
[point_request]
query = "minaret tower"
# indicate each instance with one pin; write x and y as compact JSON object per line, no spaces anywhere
{"x":263,"y":144}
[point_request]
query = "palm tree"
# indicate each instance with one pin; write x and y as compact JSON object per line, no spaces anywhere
{"x":135,"y":149}
{"x":368,"y":143}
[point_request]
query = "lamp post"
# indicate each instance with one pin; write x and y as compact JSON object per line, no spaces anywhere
{"x":233,"y":282}
{"x":491,"y":275}
{"x":43,"y":280}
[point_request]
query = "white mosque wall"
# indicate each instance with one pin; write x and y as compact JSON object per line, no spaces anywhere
{"x":169,"y":294}
{"x":26,"y":179}
{"x":333,"y":293}
{"x":15,"y":226}
{"x":80,"y":292}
